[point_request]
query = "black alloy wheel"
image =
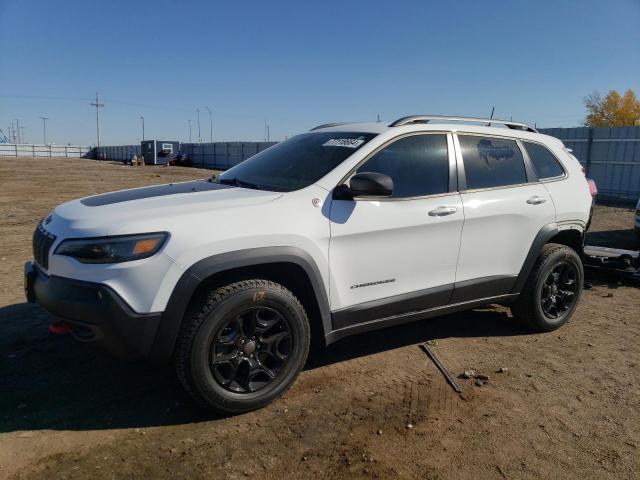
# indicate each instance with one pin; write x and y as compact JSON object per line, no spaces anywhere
{"x":559,"y":290}
{"x":251,"y":349}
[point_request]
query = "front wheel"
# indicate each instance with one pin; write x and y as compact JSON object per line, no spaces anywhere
{"x":553,"y":289}
{"x":242,"y":346}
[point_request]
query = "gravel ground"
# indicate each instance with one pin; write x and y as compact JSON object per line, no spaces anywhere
{"x":372,"y":406}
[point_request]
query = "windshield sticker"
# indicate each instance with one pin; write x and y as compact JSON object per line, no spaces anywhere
{"x":344,"y":142}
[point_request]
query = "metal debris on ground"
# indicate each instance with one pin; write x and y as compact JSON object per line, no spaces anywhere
{"x":625,"y":263}
{"x":441,"y":367}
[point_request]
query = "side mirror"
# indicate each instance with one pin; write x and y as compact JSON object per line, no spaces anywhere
{"x":370,"y":184}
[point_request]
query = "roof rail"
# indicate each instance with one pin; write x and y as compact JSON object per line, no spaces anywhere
{"x":327,"y":125}
{"x":444,"y":118}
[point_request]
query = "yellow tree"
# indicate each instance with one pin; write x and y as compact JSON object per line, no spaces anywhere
{"x":613,"y":110}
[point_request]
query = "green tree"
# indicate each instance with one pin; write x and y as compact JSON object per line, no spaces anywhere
{"x":613,"y":110}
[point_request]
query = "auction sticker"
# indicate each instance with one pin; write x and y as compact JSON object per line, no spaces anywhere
{"x":344,"y":142}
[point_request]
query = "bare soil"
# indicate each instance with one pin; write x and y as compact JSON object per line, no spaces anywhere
{"x":372,"y":406}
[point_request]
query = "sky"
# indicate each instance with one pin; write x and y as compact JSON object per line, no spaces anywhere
{"x":296,"y":64}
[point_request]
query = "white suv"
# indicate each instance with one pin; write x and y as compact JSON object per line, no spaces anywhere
{"x":347,"y":228}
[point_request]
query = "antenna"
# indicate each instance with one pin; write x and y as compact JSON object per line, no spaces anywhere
{"x":97,"y":104}
{"x":491,"y":117}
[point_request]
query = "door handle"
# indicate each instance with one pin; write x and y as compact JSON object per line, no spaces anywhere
{"x":442,"y":211}
{"x":536,"y":200}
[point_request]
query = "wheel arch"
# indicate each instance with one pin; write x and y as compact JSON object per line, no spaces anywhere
{"x":566,"y":235}
{"x":292,"y":267}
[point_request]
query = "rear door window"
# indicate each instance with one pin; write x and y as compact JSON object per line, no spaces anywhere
{"x":545,"y":162}
{"x":491,"y":162}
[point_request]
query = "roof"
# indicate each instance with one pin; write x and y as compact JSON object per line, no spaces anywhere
{"x":425,"y":120}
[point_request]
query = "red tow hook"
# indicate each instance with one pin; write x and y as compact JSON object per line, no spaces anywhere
{"x":59,"y":328}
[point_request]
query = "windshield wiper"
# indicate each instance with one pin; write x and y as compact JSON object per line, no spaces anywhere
{"x":241,"y":183}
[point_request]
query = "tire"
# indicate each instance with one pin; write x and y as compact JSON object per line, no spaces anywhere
{"x":535,"y":305}
{"x":230,"y":368}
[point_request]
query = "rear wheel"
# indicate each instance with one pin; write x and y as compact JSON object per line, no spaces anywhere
{"x":553,"y":289}
{"x":242,"y":346}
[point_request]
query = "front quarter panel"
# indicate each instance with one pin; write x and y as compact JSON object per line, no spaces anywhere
{"x":292,"y":220}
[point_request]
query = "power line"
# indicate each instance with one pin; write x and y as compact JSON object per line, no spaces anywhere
{"x":97,"y":104}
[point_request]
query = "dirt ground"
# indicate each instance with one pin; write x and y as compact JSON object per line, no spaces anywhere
{"x":372,"y":406}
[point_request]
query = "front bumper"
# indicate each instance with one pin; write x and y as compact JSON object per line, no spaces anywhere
{"x":97,"y":312}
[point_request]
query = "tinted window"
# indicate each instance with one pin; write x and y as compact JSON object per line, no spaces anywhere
{"x":491,"y":162}
{"x":296,"y":163}
{"x":418,"y":165}
{"x":543,"y":160}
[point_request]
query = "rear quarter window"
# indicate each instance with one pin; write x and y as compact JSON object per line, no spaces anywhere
{"x":545,"y":163}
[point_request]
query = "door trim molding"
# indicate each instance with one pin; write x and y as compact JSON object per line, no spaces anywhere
{"x":400,"y":319}
{"x":458,"y":293}
{"x":391,"y":306}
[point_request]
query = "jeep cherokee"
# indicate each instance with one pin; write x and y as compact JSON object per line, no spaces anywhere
{"x":343,"y":229}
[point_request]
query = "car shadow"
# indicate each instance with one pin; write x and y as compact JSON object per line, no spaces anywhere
{"x":481,"y":322}
{"x":55,"y":382}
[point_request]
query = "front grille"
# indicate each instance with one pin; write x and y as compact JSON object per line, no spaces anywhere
{"x":42,"y":241}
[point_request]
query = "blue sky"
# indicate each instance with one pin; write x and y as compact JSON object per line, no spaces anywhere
{"x":298,"y":64}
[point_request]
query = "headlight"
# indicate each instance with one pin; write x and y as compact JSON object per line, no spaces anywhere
{"x":124,"y":248}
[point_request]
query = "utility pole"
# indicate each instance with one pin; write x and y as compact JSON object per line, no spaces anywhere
{"x":142,"y":118}
{"x":267,"y":133}
{"x":210,"y":125}
{"x":97,"y":104}
{"x":190,"y":131}
{"x":44,"y":129}
{"x":378,"y":118}
{"x":22,"y":138}
{"x":198,"y":115}
{"x":18,"y":130}
{"x":265,"y":129}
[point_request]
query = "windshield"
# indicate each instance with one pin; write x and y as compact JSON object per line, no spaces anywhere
{"x":296,"y":163}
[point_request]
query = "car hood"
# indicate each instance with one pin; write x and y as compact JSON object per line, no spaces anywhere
{"x":108,"y":213}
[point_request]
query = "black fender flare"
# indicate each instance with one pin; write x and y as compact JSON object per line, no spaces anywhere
{"x":178,"y":303}
{"x":545,"y":234}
